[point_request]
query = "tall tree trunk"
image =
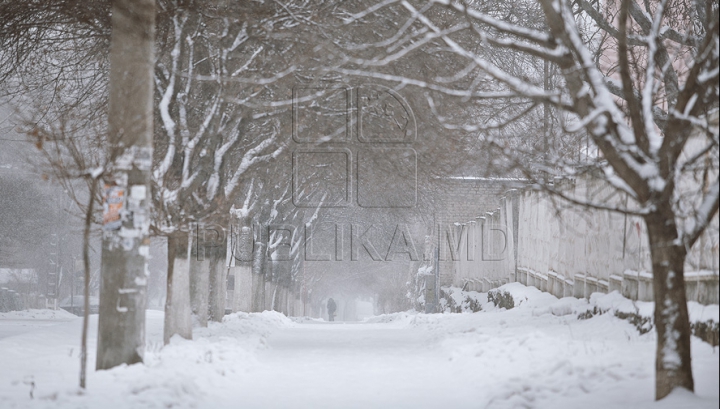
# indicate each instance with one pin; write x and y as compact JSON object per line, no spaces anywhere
{"x":218,"y":282}
{"x":258,"y":269}
{"x":178,"y":320}
{"x":242,"y":299}
{"x":86,"y":283}
{"x":270,"y":294}
{"x":258,"y":292}
{"x":280,"y":299}
{"x":199,"y":286}
{"x":672,"y":358}
{"x":125,"y":244}
{"x":241,"y":246}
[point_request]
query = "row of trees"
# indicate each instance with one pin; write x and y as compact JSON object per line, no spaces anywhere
{"x":625,"y":91}
{"x":209,"y":68}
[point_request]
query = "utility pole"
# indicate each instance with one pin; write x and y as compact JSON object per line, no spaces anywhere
{"x":546,"y":115}
{"x":126,"y":210}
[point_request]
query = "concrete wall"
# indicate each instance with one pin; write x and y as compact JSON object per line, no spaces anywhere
{"x":460,"y":200}
{"x":573,"y":241}
{"x":489,"y":259}
{"x":574,"y":252}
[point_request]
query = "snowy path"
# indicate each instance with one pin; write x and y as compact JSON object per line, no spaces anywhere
{"x":352,"y":366}
{"x":526,"y":357}
{"x":507,"y":359}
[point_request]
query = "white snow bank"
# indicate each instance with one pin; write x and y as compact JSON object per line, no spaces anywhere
{"x":306,"y":319}
{"x":180,"y":375}
{"x":681,"y":399}
{"x":615,"y":302}
{"x":563,"y":306}
{"x":539,"y":355}
{"x":526,"y":297}
{"x":457,"y":300}
{"x":33,"y":314}
{"x":540,"y":303}
{"x":702,"y":313}
{"x":402,"y":318}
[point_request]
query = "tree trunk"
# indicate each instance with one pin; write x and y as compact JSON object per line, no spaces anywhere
{"x":270,"y":295}
{"x":242,"y":298}
{"x":218,"y":283}
{"x":258,"y":277}
{"x":258,"y":293}
{"x":241,"y":260}
{"x":178,"y":318}
{"x":290,"y":304}
{"x":125,"y":244}
{"x":672,"y":360}
{"x":281,"y":299}
{"x":86,"y":282}
{"x":199,"y":286}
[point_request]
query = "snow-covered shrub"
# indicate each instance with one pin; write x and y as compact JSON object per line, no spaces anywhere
{"x":416,"y":286}
{"x":642,"y":323}
{"x":703,"y":318}
{"x":590,"y":313}
{"x":473,"y":304}
{"x":618,"y":305}
{"x":455,"y":300}
{"x":708,"y":331}
{"x":448,"y":300}
{"x":501,"y":299}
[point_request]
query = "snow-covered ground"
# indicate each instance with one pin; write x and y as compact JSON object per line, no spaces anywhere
{"x":537,"y":355}
{"x":18,"y":322}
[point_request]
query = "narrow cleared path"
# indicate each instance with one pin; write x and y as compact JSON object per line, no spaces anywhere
{"x":345,"y":365}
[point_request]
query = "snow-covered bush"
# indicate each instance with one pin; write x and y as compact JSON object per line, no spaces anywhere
{"x":501,"y":299}
{"x":703,"y":318}
{"x":708,"y":331}
{"x":455,"y":300}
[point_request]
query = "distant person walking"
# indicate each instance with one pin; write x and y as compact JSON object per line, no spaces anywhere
{"x":331,"y":306}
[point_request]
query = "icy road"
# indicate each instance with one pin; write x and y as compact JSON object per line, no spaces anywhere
{"x":537,"y":355}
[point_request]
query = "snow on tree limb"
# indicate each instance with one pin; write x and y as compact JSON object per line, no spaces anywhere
{"x":703,"y":215}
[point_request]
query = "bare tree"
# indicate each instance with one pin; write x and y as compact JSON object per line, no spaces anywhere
{"x":217,"y":62}
{"x":639,"y":86}
{"x":71,"y":148}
